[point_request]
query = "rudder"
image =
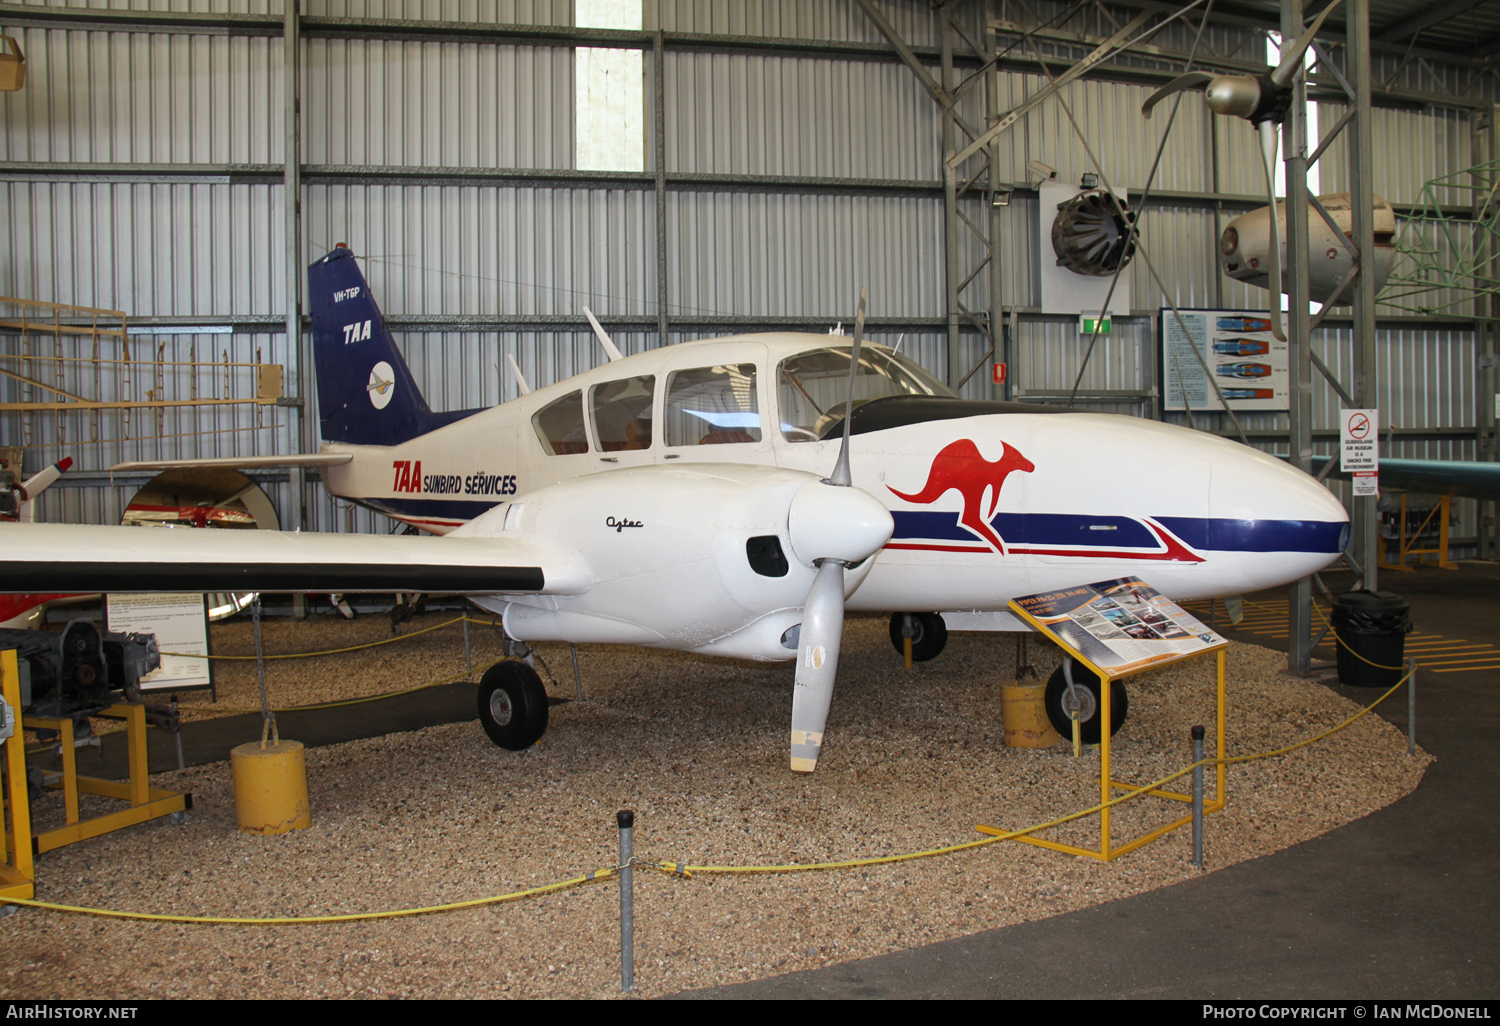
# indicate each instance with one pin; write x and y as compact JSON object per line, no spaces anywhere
{"x":366,"y":394}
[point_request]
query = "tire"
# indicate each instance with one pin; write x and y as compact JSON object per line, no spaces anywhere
{"x":512,"y":705}
{"x":929,"y":635}
{"x":1057,"y":685}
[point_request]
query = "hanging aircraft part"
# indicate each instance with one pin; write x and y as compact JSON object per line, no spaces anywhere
{"x":1244,"y":248}
{"x":1263,"y":100}
{"x":1092,"y":234}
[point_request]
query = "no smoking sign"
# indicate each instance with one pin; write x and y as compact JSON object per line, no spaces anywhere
{"x":1359,"y":456}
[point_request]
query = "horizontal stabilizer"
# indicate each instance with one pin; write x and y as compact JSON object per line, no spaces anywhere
{"x":70,"y":558}
{"x":316,"y":459}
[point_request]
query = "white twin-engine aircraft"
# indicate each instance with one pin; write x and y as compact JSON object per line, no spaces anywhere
{"x":681,"y":498}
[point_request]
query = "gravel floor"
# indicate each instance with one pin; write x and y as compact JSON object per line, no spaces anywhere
{"x":698,"y":748}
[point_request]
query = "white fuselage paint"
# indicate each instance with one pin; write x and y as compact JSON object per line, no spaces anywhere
{"x":1125,"y":473}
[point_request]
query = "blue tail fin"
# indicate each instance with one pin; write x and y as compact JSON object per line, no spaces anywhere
{"x":366,"y":394}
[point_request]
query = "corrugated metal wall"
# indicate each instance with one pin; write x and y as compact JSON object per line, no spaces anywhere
{"x":208,"y":249}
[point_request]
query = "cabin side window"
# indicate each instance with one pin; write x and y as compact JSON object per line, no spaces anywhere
{"x":559,"y":425}
{"x":712,"y":406}
{"x":622,"y":413}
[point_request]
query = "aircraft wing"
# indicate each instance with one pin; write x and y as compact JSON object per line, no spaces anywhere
{"x":72,"y":558}
{"x":313,"y":459}
{"x":1440,"y":477}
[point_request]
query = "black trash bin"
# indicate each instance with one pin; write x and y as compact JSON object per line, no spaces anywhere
{"x":1372,"y":625}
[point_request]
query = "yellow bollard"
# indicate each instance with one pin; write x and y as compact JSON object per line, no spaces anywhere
{"x":270,"y":787}
{"x":1024,"y":715}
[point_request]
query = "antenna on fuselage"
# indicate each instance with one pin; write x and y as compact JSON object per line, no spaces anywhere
{"x":604,"y":340}
{"x":515,"y":368}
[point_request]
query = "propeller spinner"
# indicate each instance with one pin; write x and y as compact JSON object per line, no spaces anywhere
{"x":1264,"y":101}
{"x":832,"y":525}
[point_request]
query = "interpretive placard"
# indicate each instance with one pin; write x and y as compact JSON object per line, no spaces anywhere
{"x":1251,"y":368}
{"x":180,"y":623}
{"x":1121,"y":626}
{"x":1359,"y":449}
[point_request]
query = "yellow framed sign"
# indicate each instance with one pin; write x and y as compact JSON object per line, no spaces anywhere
{"x":1119,"y":628}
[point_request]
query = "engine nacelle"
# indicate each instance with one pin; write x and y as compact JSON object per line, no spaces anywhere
{"x":705,"y":558}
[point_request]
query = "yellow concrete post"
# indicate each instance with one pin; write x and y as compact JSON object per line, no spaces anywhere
{"x":270,"y":787}
{"x":1023,"y":712}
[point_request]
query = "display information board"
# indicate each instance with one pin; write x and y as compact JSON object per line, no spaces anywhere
{"x":1121,"y":626}
{"x":1251,"y":367}
{"x":180,"y":623}
{"x":1359,"y":449}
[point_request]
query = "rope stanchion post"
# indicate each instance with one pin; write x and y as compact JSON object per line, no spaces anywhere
{"x":626,"y":820}
{"x":468,"y":659}
{"x":577,"y":680}
{"x":1411,"y":706}
{"x":1198,"y":734}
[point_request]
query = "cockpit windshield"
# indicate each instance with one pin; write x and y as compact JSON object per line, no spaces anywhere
{"x":813,"y":387}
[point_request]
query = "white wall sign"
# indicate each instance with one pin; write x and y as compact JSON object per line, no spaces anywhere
{"x":1359,"y":452}
{"x":1251,"y":368}
{"x":180,"y":623}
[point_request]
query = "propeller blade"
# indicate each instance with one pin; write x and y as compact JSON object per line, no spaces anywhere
{"x":1191,"y":80}
{"x":1269,"y":137}
{"x":1292,"y":59}
{"x":817,"y":663}
{"x":841,"y":475}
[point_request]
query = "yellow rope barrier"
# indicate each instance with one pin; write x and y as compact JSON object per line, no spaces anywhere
{"x":349,"y":701}
{"x":681,"y":869}
{"x":331,"y":651}
{"x":352,"y":917}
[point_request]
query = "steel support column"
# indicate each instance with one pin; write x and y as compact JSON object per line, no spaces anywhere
{"x":998,"y":328}
{"x":1486,"y":151}
{"x":301,"y":376}
{"x":951,"y":226}
{"x":1294,"y":143}
{"x":659,"y":120}
{"x":1361,"y":187}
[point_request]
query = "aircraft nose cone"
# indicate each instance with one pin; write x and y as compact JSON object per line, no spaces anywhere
{"x":830,"y":522}
{"x":1277,"y":507}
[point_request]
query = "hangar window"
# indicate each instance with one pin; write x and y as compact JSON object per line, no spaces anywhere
{"x":814,"y":386}
{"x":622,"y":413}
{"x":609,"y":84}
{"x":559,"y":425}
{"x":713,"y":405}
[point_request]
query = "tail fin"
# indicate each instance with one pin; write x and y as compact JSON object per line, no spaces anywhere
{"x":366,"y":394}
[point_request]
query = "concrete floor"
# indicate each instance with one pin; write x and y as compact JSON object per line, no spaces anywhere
{"x":1400,"y":904}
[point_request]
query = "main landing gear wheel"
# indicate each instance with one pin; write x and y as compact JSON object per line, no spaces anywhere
{"x":1086,"y":689}
{"x":929,"y":633}
{"x":512,"y":705}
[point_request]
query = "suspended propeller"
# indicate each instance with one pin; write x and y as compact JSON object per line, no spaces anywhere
{"x":1262,"y":100}
{"x":832,"y":525}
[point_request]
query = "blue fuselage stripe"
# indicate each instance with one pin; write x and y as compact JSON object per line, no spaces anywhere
{"x":1046,"y":530}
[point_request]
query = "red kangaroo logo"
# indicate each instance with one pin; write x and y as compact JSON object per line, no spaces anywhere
{"x":960,"y":467}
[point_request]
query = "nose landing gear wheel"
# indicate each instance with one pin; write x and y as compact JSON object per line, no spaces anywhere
{"x":512,"y":705}
{"x":929,"y":633}
{"x":1086,"y":690}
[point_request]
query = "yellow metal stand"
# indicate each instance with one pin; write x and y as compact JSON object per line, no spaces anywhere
{"x":1107,"y":850}
{"x":146,"y":802}
{"x":1407,"y":546}
{"x":18,"y":869}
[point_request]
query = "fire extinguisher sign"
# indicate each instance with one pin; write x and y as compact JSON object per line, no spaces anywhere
{"x":1359,"y":432}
